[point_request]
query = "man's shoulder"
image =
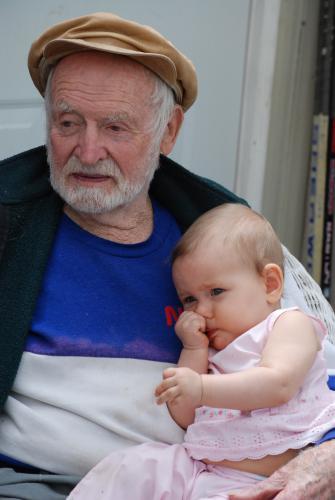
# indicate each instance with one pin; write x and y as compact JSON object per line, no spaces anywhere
{"x":178,"y":176}
{"x":24,"y":177}
{"x":186,"y":194}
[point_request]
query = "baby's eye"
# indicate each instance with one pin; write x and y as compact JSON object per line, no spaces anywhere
{"x":188,"y":300}
{"x":216,"y":291}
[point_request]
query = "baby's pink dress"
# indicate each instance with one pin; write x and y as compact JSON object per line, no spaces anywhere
{"x":219,"y":434}
{"x":158,"y":471}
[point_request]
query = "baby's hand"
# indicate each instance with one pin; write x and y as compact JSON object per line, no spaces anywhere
{"x":180,"y":386}
{"x":191,"y":328}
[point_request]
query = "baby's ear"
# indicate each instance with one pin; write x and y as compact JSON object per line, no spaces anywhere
{"x":274,"y":282}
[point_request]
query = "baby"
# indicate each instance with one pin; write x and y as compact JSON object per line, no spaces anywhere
{"x":251,"y":382}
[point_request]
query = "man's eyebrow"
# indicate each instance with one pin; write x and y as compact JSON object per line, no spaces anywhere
{"x":64,"y":106}
{"x":116,"y":117}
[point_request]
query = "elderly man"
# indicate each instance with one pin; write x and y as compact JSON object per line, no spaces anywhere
{"x":87,"y":304}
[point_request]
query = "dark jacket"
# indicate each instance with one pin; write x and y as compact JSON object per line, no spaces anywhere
{"x":29,"y":215}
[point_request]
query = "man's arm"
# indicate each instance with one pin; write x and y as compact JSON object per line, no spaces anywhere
{"x":311,"y":475}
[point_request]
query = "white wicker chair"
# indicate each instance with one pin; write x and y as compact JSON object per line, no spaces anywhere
{"x":301,"y":290}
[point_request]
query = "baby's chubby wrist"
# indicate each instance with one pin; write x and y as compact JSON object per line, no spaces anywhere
{"x":196,"y":347}
{"x":195,"y":342}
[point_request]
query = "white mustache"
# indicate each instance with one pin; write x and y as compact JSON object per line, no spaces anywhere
{"x":106,"y":167}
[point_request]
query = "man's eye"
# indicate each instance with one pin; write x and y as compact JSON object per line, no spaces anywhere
{"x":217,"y":291}
{"x":114,"y":128}
{"x":67,"y":124}
{"x":67,"y":127}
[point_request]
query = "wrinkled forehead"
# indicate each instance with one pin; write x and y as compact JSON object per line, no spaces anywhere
{"x":104,"y":68}
{"x":103,"y":83}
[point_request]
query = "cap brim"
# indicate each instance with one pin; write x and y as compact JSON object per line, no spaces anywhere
{"x":106,"y":32}
{"x":59,"y":48}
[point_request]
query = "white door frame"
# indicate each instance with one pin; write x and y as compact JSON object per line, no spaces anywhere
{"x":276,"y":118}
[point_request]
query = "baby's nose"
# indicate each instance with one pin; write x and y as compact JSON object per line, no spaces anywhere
{"x":204,"y":308}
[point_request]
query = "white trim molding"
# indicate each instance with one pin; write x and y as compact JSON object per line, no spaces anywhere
{"x":277,"y":107}
{"x":256,"y":100}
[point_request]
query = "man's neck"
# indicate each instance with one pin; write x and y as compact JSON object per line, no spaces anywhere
{"x":128,"y":224}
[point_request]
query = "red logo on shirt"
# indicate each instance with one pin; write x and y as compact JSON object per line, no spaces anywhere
{"x":171,"y":314}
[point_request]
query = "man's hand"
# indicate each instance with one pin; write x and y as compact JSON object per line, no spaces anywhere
{"x":191,"y":328}
{"x":180,"y":386}
{"x":311,"y":475}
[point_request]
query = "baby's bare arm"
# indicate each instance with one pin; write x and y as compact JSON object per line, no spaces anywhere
{"x":286,"y":359}
{"x":181,"y":387}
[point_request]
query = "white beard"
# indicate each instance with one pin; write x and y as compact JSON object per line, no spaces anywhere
{"x":96,"y":200}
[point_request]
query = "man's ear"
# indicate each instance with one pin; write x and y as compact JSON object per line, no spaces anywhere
{"x":274,"y":282}
{"x":172,"y":130}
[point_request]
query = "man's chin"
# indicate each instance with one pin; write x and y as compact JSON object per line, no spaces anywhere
{"x":87,"y":210}
{"x":90,"y":207}
{"x":97,"y":203}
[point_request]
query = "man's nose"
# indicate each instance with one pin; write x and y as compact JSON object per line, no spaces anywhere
{"x":89,"y":149}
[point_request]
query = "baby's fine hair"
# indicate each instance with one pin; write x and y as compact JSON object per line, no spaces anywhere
{"x":239,"y":227}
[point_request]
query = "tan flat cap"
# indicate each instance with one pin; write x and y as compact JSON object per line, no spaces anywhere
{"x":106,"y":32}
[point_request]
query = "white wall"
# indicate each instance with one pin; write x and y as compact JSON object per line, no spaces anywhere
{"x":212,"y":33}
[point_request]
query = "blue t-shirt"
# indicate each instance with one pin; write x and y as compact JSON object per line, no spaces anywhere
{"x":106,"y":299}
